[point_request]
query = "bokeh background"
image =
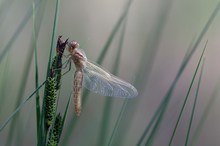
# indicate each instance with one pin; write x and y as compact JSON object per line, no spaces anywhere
{"x":147,"y":41}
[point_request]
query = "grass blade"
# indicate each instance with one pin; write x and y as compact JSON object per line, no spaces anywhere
{"x":3,"y":82}
{"x":36,"y":72}
{"x":187,"y":95}
{"x":67,"y":106}
{"x":157,"y":113}
{"x":22,"y":88}
{"x":53,"y":38}
{"x":64,"y":117}
{"x":21,"y":26}
{"x":150,"y":125}
{"x":113,"y":33}
{"x":117,"y":122}
{"x":20,"y":107}
{"x":25,"y":74}
{"x":108,"y":101}
{"x":205,"y":114}
{"x":53,"y":44}
{"x":182,"y":67}
{"x":194,"y":104}
{"x":144,"y":71}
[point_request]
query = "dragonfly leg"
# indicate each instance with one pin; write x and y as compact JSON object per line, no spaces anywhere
{"x":66,"y":63}
{"x":66,"y":56}
{"x":69,"y":62}
{"x":63,"y":67}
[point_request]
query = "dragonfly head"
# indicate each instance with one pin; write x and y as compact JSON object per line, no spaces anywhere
{"x":72,"y":46}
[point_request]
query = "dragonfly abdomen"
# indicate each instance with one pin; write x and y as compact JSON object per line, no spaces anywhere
{"x":77,"y":88}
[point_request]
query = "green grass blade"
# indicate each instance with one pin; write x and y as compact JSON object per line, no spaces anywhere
{"x":113,"y":33}
{"x":99,"y":61}
{"x":36,"y":72}
{"x":52,"y":48}
{"x":53,"y":38}
{"x":109,"y":101}
{"x":117,"y":122}
{"x":152,"y":122}
{"x":65,"y":113}
{"x":183,"y":65}
{"x":162,"y":111}
{"x":20,"y":95}
{"x":104,"y":126}
{"x":166,"y":98}
{"x":21,"y":26}
{"x":22,"y":87}
{"x":144,"y":70}
{"x":3,"y":82}
{"x":152,"y":134}
{"x":158,"y":111}
{"x":205,"y":114}
{"x":187,"y":95}
{"x":20,"y":107}
{"x":194,"y":104}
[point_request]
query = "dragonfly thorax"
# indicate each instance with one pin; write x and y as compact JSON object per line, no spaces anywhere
{"x":79,"y":62}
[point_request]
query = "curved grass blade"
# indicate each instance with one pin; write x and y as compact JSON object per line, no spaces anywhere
{"x":114,"y":31}
{"x":36,"y":72}
{"x":20,"y":107}
{"x":194,"y":104}
{"x":67,"y":106}
{"x":4,"y":82}
{"x":21,"y":26}
{"x":150,"y":139}
{"x":109,"y":101}
{"x":149,"y":53}
{"x":161,"y":109}
{"x":24,"y":77}
{"x":21,"y":91}
{"x":99,"y":61}
{"x":205,"y":114}
{"x":117,"y":122}
{"x":53,"y":44}
{"x":53,"y":38}
{"x":64,"y":117}
{"x":156,"y":114}
{"x":182,"y":67}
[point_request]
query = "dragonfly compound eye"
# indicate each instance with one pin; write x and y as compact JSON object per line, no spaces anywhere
{"x":74,"y":44}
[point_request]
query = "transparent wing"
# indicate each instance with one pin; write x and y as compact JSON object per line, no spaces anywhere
{"x":99,"y":81}
{"x":82,"y":51}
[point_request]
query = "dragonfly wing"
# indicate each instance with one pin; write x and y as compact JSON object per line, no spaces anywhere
{"x":82,"y":52}
{"x":99,"y":81}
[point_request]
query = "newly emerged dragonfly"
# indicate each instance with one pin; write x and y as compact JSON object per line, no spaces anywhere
{"x":95,"y":79}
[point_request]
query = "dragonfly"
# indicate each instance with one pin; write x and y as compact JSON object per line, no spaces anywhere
{"x":94,"y":78}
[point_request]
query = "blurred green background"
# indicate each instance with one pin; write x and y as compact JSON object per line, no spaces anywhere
{"x":156,"y":36}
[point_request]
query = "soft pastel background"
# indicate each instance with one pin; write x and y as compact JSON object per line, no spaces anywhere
{"x":157,"y":36}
